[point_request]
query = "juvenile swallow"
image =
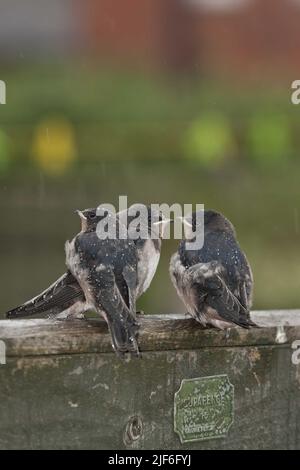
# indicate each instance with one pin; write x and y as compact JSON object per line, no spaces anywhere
{"x":106,"y":270}
{"x":65,"y":298}
{"x":215,"y":282}
{"x":148,"y":246}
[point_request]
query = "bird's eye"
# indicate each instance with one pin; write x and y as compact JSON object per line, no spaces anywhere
{"x":92,"y":215}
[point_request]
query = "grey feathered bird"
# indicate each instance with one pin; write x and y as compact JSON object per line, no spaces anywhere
{"x":148,"y":247}
{"x":214,"y":282}
{"x":65,"y":297}
{"x":106,"y":270}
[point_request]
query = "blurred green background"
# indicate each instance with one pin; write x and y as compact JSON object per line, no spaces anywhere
{"x":193,"y":106}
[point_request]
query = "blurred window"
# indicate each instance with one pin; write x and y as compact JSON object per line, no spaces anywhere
{"x":31,"y":25}
{"x":219,"y":5}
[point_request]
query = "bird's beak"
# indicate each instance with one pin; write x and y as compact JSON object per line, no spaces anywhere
{"x":81,"y":214}
{"x":162,"y":225}
{"x":185,"y":221}
{"x":163,"y":222}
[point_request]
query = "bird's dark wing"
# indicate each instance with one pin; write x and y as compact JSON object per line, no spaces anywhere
{"x":110,"y":266}
{"x":244,"y":294}
{"x":119,"y":316}
{"x":209,"y":287}
{"x":58,"y":297}
{"x":129,"y":275}
{"x":245,"y":287}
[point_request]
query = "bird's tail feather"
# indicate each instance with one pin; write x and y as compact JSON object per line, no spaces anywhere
{"x":226,"y":303}
{"x":123,"y":336}
{"x":121,"y":319}
{"x":58,"y":297}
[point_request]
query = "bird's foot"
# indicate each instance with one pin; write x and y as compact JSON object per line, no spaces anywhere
{"x":70,"y":317}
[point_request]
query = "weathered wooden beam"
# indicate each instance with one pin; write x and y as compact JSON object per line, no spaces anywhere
{"x":157,"y":332}
{"x":62,"y":387}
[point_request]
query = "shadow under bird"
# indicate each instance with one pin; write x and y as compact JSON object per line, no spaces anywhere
{"x":214,"y":282}
{"x":67,"y":298}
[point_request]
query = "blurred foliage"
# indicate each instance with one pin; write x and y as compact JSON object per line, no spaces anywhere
{"x":53,"y":145}
{"x":209,"y":140}
{"x":4,"y":152}
{"x":107,"y":133}
{"x":270,"y":140}
{"x":129,"y":116}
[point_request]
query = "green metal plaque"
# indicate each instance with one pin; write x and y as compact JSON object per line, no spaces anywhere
{"x":203,"y":408}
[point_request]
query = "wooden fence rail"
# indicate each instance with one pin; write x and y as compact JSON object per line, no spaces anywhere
{"x":62,"y":386}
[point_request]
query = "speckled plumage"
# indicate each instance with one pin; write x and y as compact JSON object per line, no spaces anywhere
{"x":65,"y":298}
{"x":58,"y":297}
{"x":107,"y":273}
{"x":215,"y":282}
{"x":70,"y":296}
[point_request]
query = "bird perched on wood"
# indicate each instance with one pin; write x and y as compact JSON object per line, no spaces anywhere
{"x":65,"y":299}
{"x":106,"y":270}
{"x":214,"y":282}
{"x":151,"y":226}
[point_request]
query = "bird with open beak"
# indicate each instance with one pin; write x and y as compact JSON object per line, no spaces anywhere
{"x":151,"y":227}
{"x":66,"y":298}
{"x":214,"y":282}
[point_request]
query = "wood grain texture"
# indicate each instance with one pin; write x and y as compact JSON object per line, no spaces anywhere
{"x":64,"y":388}
{"x":157,"y":332}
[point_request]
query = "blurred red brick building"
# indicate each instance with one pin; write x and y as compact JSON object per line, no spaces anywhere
{"x":235,"y":37}
{"x":248,"y":39}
